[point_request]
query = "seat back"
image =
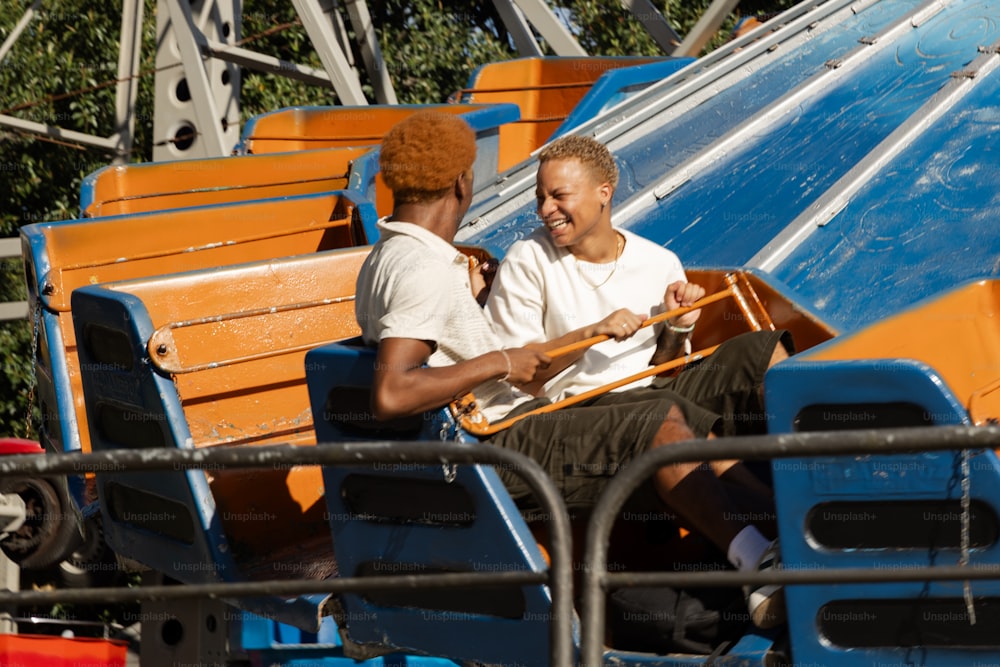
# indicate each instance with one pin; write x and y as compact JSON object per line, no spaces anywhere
{"x":398,"y":518}
{"x":157,"y":186}
{"x":313,"y":128}
{"x":63,"y":256}
{"x":214,"y":358}
{"x":546,"y":89}
{"x":872,"y":510}
{"x":317,"y":128}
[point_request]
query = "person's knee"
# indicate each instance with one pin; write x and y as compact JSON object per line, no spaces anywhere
{"x":778,"y":355}
{"x":674,"y":428}
{"x":675,"y":414}
{"x":784,"y":349}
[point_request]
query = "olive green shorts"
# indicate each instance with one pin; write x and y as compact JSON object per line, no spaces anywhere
{"x":724,"y":392}
{"x":583,"y":446}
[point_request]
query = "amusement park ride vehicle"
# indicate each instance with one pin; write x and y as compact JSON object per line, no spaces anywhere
{"x":832,"y":172}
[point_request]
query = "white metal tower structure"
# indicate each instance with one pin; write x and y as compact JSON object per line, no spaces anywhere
{"x":199,"y":59}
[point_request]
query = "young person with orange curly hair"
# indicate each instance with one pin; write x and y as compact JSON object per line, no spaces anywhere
{"x":435,"y":344}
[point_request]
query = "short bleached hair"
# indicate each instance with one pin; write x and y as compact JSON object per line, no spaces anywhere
{"x":591,"y":153}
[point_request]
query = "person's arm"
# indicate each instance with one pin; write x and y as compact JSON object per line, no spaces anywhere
{"x":481,"y":276}
{"x":619,"y":325}
{"x":670,"y":342}
{"x":403,"y":385}
{"x":517,"y":309}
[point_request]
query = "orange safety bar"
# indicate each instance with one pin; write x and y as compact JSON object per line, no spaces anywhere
{"x":473,"y":421}
{"x":467,"y":414}
{"x":600,"y":338}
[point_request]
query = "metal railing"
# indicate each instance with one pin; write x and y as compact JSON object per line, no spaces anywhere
{"x":597,"y":580}
{"x":10,"y":248}
{"x":559,"y":576}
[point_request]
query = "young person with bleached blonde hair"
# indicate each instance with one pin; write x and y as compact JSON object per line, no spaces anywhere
{"x":578,"y":276}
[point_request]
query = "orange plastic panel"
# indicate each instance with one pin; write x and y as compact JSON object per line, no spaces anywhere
{"x":105,"y":250}
{"x":724,"y":319}
{"x":957,"y":334}
{"x":155,"y":186}
{"x":299,"y":128}
{"x":545,"y":89}
{"x":224,"y":317}
{"x":41,"y":650}
{"x":253,"y":324}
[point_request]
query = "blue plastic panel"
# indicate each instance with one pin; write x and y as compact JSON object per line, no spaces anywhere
{"x":920,"y":225}
{"x":805,"y":486}
{"x":267,"y":642}
{"x":617,"y":85}
{"x":489,"y":536}
{"x":664,"y":146}
{"x":926,"y":221}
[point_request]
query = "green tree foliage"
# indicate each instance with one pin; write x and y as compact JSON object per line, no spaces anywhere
{"x":62,"y":72}
{"x":70,"y":46}
{"x":273,"y":28}
{"x":607,"y":28}
{"x":431,"y":46}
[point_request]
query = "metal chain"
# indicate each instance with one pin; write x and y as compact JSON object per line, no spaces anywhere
{"x":966,"y":532}
{"x":36,"y":319}
{"x":449,"y":432}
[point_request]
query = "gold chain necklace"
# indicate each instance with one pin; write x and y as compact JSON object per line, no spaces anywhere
{"x":618,"y":254}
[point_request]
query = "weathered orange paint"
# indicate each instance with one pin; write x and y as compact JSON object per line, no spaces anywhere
{"x":724,"y":319}
{"x":956,"y":334}
{"x":155,"y":186}
{"x":264,"y":400}
{"x":105,"y":250}
{"x":311,"y":128}
{"x":545,"y":89}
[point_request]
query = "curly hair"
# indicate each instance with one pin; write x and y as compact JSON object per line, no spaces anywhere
{"x":591,"y":153}
{"x":422,"y":155}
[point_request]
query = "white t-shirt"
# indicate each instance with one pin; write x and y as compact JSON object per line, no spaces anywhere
{"x":542,"y":292}
{"x":414,"y":284}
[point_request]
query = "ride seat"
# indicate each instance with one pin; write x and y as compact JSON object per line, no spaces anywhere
{"x":397,"y":518}
{"x":927,"y":366}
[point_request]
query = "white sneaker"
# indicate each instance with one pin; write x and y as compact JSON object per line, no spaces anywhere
{"x":766,"y":603}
